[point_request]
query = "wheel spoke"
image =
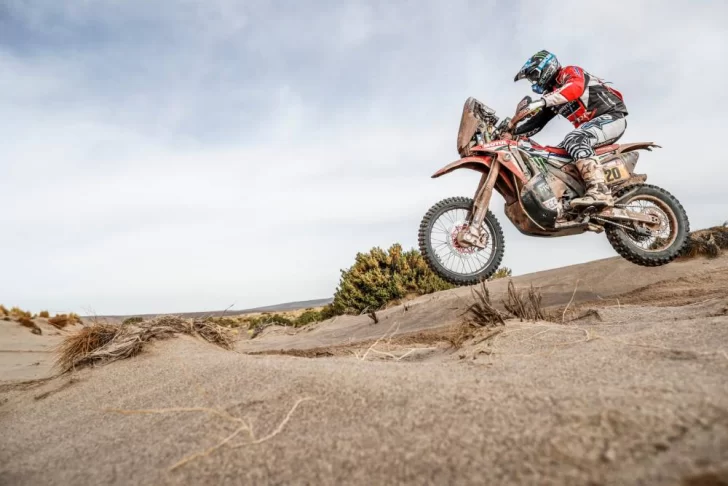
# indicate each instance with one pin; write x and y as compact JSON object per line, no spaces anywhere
{"x":451,"y":254}
{"x":661,"y":237}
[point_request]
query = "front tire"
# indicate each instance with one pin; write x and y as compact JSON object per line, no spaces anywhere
{"x":668,"y":243}
{"x":457,"y":265}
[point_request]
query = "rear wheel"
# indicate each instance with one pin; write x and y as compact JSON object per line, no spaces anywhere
{"x":446,"y":257}
{"x":650,"y":245}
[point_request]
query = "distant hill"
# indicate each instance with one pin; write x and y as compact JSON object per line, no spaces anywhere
{"x":288,"y":306}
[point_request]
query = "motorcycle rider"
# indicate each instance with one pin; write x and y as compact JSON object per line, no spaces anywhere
{"x":596,"y":110}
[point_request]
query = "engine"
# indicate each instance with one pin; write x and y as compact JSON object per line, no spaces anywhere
{"x":540,"y":201}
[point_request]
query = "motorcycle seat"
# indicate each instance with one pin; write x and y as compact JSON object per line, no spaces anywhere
{"x":599,"y":151}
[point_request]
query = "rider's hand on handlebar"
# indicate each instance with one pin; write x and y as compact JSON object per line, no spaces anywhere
{"x":526,"y":110}
{"x":533,"y":106}
{"x":540,"y":103}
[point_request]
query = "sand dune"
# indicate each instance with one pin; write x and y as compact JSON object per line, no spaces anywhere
{"x":633,"y":393}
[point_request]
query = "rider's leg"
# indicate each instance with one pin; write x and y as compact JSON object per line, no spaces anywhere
{"x":580,"y":144}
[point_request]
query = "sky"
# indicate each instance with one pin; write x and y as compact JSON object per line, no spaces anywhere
{"x":191,"y":155}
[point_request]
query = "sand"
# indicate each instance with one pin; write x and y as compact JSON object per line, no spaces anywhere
{"x":27,"y":356}
{"x":634,"y":393}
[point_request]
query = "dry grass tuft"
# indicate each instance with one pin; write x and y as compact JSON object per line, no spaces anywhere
{"x":708,"y":242}
{"x":526,"y":306}
{"x":82,"y":347}
{"x":44,"y":314}
{"x":459,"y":333}
{"x":105,"y":343}
{"x":18,"y":313}
{"x":211,"y":332}
{"x":4,"y":310}
{"x":25,"y":322}
{"x":482,"y":313}
{"x":62,"y":320}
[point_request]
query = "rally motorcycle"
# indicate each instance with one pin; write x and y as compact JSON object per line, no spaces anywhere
{"x":462,"y":241}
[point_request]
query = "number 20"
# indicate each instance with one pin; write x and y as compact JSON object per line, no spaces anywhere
{"x":612,"y":174}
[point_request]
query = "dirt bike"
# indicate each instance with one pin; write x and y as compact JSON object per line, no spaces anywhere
{"x":462,"y":241}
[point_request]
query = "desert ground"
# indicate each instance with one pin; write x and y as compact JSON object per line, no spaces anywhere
{"x":627,"y":383}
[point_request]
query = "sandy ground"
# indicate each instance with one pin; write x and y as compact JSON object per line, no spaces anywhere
{"x":632,"y":393}
{"x":27,"y":356}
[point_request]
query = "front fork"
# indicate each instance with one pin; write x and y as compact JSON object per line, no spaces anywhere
{"x":471,"y":235}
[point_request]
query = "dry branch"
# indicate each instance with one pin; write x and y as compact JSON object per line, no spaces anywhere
{"x":243,"y":427}
{"x":482,"y":313}
{"x":526,"y":307}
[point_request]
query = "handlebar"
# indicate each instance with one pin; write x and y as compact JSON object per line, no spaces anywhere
{"x":527,"y":112}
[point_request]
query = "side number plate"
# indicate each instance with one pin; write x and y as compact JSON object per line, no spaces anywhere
{"x":615,"y":173}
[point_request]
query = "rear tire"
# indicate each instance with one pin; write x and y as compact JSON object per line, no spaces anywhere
{"x":627,"y":244}
{"x":490,"y":224}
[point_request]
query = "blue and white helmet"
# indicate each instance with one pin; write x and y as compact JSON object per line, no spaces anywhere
{"x":540,"y":69}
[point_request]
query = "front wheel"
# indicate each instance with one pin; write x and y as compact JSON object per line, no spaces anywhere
{"x":653,"y":245}
{"x":439,"y":246}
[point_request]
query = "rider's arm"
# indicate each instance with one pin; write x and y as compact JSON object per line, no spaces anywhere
{"x":572,"y":82}
{"x":536,"y":123}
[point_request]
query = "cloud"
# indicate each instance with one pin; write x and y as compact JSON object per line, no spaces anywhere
{"x":178,"y":156}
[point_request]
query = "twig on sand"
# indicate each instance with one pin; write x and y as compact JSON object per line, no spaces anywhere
{"x":563,"y":316}
{"x":212,"y":449}
{"x":244,"y":426}
{"x":395,"y":323}
{"x":400,"y":358}
{"x":281,"y":425}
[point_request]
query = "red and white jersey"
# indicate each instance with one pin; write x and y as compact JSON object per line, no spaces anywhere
{"x":580,"y":96}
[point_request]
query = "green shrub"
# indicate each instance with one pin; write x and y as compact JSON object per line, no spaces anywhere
{"x":132,"y":320}
{"x":276,"y":319}
{"x":230,"y":322}
{"x":327,"y":312}
{"x":502,"y":272}
{"x":379,"y":278}
{"x":307,"y":317}
{"x":45,"y":314}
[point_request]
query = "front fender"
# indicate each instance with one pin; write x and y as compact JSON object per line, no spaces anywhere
{"x":477,"y":163}
{"x":482,"y":163}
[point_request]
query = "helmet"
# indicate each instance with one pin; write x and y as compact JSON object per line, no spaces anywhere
{"x":541,"y":69}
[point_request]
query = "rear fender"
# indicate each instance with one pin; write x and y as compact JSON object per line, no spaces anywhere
{"x":630,"y":155}
{"x":629,"y":147}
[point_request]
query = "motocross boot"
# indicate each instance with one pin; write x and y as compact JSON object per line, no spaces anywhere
{"x":597,"y":193}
